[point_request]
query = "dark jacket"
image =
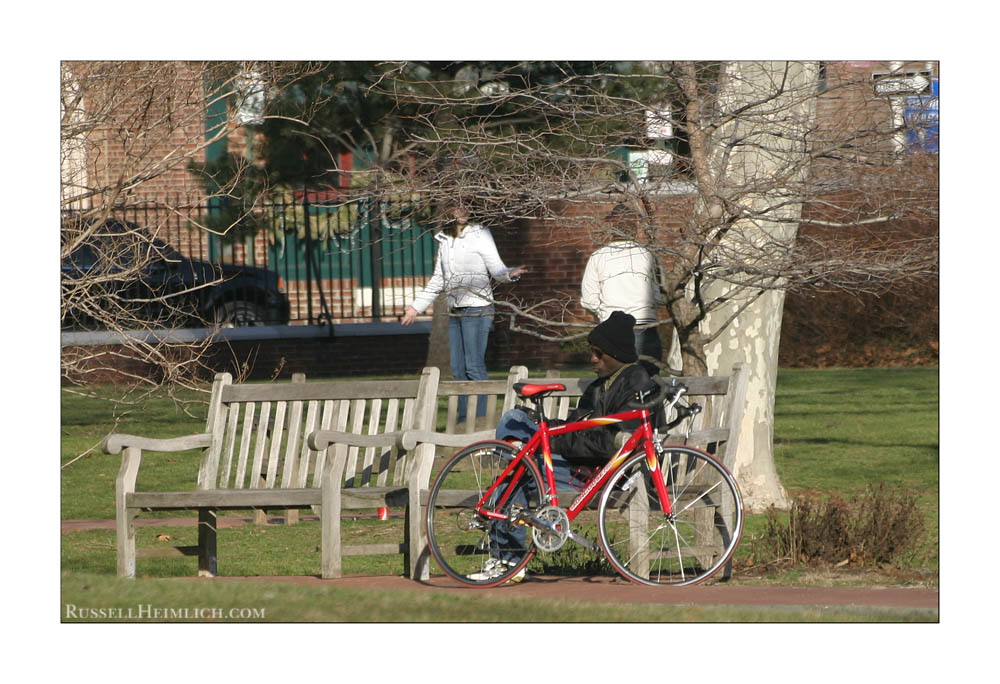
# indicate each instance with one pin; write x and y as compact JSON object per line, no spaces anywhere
{"x":593,"y":447}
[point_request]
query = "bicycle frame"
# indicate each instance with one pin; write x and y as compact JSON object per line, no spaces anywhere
{"x":541,"y":440}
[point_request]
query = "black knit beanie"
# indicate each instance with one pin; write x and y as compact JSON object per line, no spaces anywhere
{"x":615,"y":336}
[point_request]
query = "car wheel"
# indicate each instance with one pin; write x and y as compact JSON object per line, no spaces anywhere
{"x":238,"y":315}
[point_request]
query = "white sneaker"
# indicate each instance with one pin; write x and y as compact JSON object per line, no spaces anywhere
{"x":493,"y":568}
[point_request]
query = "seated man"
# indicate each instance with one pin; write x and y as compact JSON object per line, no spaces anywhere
{"x":619,"y":377}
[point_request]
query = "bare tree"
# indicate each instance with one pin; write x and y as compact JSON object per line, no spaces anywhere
{"x":742,"y":142}
{"x":128,"y":132}
{"x":752,"y":178}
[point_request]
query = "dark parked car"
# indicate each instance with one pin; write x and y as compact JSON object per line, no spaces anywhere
{"x":119,"y":269}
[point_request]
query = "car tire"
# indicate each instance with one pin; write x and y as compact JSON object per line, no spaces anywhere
{"x":238,"y":314}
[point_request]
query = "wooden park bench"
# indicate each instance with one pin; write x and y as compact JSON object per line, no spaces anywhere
{"x":329,"y":446}
{"x":716,"y":429}
{"x":348,"y":445}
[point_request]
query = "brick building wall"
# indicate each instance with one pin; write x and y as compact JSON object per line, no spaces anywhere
{"x":555,"y":251}
{"x":162,"y":99}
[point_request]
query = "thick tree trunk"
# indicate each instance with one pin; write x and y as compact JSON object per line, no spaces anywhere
{"x":755,"y":334}
{"x":754,"y":338}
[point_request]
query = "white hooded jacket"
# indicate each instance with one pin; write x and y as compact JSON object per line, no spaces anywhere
{"x":463,"y":269}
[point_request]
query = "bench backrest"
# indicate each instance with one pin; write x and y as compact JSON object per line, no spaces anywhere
{"x":716,"y":428}
{"x":497,"y":394}
{"x":260,"y":431}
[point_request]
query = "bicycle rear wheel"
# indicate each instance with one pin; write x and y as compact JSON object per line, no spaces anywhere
{"x":683,"y":548}
{"x":467,"y":545}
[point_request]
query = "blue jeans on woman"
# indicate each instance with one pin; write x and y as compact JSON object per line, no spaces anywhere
{"x":468,"y":332}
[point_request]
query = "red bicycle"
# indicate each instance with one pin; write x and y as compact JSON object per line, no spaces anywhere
{"x":668,"y":515}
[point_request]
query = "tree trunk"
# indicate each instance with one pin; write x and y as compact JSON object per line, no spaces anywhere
{"x":754,"y":336}
{"x":438,"y":349}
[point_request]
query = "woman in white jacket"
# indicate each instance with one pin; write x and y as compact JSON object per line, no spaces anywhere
{"x":466,"y":260}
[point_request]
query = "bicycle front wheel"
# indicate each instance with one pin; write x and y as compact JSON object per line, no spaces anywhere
{"x":470,"y":547}
{"x":685,"y":547}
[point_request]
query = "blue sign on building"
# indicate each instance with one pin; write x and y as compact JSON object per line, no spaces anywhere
{"x":921,"y":116}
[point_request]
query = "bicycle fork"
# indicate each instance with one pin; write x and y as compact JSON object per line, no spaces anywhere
{"x":655,"y":472}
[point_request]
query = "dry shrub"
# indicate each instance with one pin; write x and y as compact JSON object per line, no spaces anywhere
{"x":880,"y":527}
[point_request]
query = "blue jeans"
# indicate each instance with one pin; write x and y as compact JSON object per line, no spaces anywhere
{"x":468,"y":332}
{"x":516,"y":424}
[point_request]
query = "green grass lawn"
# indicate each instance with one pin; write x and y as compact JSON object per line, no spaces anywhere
{"x":835,"y":432}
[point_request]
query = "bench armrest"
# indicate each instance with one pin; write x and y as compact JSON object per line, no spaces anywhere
{"x":115,"y":442}
{"x":411,"y":438}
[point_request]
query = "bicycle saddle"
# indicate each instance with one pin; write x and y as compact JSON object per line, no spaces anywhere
{"x":526,"y":389}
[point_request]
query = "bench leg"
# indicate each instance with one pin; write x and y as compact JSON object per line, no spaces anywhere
{"x":330,"y":531}
{"x":638,"y":529}
{"x":417,"y":555}
{"x":207,"y":547}
{"x":125,"y":540}
{"x":125,"y":517}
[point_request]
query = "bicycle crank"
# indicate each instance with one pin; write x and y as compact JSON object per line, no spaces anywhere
{"x":550,"y":528}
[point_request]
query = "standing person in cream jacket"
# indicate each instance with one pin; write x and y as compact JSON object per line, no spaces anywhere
{"x":621,"y":276}
{"x":466,"y":260}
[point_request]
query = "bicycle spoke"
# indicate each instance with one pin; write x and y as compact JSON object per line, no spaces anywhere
{"x":690,"y":544}
{"x":467,"y":545}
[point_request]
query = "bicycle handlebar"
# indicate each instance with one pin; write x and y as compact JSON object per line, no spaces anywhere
{"x":652,"y":397}
{"x":666,"y":396}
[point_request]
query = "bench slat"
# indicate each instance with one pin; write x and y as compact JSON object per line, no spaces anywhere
{"x":447,"y":388}
{"x":277,"y":432}
{"x":307,"y":454}
{"x":392,"y":425}
{"x":229,"y":444}
{"x":358,"y":409}
{"x":256,"y":472}
{"x":374,"y":418}
{"x":406,"y":423}
{"x":225,"y":498}
{"x":709,"y":436}
{"x":293,"y":434}
{"x":306,"y":391}
{"x":329,"y":410}
{"x":245,"y":439}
